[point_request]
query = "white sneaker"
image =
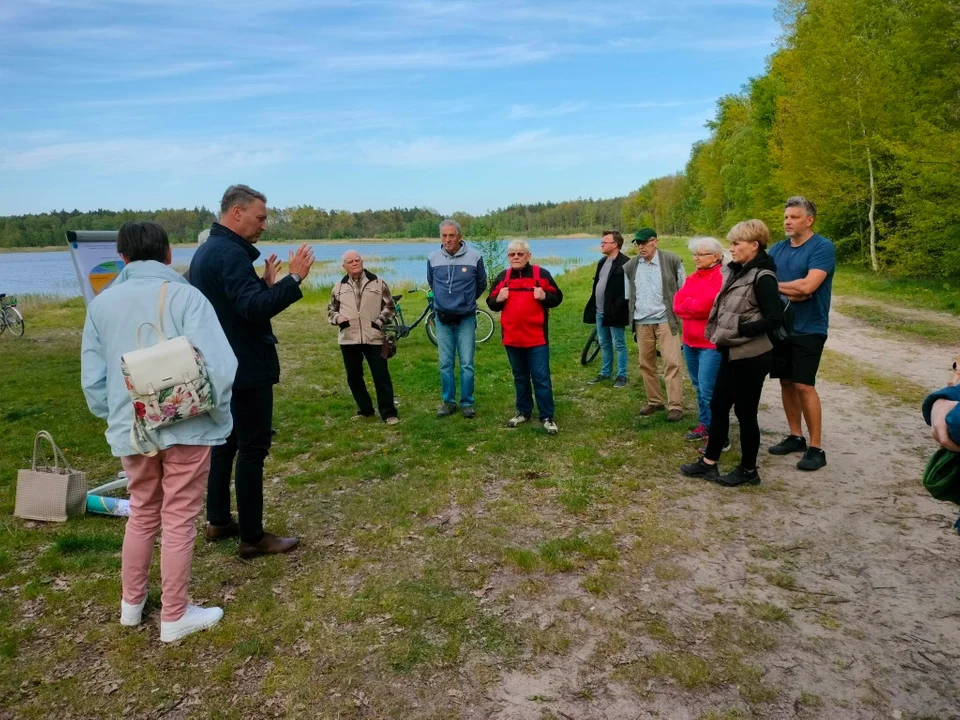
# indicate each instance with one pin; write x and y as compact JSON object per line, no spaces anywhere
{"x":550,"y":426}
{"x":193,"y":620}
{"x":130,"y":615}
{"x":518,"y":419}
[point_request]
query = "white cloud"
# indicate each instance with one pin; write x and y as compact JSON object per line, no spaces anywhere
{"x":125,"y":155}
{"x":254,"y":90}
{"x":522,"y":112}
{"x":534,"y":148}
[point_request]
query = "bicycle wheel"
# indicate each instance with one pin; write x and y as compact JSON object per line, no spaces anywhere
{"x":591,"y":349}
{"x":396,"y":328}
{"x":430,"y":325}
{"x":14,"y":320}
{"x":484,"y":325}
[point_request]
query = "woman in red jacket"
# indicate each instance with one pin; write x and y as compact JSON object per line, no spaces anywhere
{"x":523,"y":294}
{"x":692,"y":304}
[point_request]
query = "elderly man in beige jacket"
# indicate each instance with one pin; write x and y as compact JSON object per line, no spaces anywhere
{"x":361,"y":306}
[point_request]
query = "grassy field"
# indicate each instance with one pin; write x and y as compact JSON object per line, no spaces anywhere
{"x":409,"y":535}
{"x":939,"y":295}
{"x":439,"y":556}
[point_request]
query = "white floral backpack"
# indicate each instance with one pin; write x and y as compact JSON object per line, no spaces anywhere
{"x":167,"y":382}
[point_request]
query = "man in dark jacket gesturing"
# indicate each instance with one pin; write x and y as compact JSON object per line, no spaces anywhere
{"x":222,"y":269}
{"x":609,"y":308}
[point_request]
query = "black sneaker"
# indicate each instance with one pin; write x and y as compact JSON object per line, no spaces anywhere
{"x":598,"y":379}
{"x":469,"y":412}
{"x":789,"y":444}
{"x":740,"y":477}
{"x":700,"y":469}
{"x":813,"y":459}
{"x":620,"y":382}
{"x":446,"y":410}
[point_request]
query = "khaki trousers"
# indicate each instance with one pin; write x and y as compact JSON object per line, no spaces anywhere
{"x":648,"y":337}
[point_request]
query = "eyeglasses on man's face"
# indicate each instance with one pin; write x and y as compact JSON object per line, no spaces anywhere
{"x":705,"y":254}
{"x":517,"y":253}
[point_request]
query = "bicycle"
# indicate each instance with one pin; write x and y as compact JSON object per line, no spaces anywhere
{"x":398,"y":327}
{"x":10,"y":317}
{"x":591,"y":349}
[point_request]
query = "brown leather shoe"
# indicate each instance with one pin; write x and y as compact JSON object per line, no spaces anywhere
{"x":221,"y":532}
{"x":270,"y":545}
{"x":648,"y":410}
{"x":674,"y":415}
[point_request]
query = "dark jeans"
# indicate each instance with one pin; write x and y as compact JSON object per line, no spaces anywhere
{"x":353,"y":356}
{"x":532,"y":364}
{"x":249,"y":443}
{"x":739,"y":384}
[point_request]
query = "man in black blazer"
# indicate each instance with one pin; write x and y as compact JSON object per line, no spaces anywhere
{"x":608,"y":308}
{"x":222,"y":269}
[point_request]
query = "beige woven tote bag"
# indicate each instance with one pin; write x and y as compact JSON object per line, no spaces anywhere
{"x":50,"y":493}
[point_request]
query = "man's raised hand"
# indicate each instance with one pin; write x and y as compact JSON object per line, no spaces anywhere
{"x":301,"y":261}
{"x":270,"y":269}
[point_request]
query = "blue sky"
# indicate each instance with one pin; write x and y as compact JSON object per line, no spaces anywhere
{"x":353,"y":104}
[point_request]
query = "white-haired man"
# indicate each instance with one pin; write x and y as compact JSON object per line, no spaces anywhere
{"x":361,"y":306}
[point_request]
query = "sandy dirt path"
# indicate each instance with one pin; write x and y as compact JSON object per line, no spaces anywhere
{"x":923,"y":363}
{"x":864,"y":561}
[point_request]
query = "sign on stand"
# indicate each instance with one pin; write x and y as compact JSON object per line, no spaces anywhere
{"x":95,"y":259}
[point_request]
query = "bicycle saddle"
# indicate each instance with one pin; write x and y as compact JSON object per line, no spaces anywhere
{"x":395,"y":297}
{"x":2,"y":296}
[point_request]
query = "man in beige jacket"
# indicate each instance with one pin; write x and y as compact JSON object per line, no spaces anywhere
{"x":361,"y":306}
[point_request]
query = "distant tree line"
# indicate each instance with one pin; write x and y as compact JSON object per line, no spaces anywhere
{"x":305,"y":222}
{"x":49,"y":229}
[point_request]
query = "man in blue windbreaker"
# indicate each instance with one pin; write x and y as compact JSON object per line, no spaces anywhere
{"x":457,"y":278}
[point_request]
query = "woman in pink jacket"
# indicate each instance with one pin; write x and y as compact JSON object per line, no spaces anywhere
{"x":692,"y":304}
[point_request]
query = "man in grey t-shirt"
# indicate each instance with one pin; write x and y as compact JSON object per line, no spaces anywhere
{"x":608,"y":309}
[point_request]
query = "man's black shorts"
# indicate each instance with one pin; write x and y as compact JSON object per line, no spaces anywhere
{"x":798,"y":359}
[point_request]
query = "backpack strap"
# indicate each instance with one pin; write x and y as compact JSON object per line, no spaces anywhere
{"x":536,"y":276}
{"x":160,"y":304}
{"x":158,"y":328}
{"x":761,"y":273}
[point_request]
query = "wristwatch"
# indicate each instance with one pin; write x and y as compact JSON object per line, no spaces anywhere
{"x":296,"y":278}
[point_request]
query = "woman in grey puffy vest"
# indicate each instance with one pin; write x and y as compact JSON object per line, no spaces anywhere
{"x":746,"y":312}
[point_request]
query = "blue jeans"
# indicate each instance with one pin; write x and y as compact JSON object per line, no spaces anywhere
{"x":703,"y":364}
{"x":532,"y":364}
{"x":457,"y":340}
{"x":610,"y":337}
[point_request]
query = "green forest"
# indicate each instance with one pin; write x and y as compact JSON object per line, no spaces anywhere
{"x":858,"y":109}
{"x":309,"y":223}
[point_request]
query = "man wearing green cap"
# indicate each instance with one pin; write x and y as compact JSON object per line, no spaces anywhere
{"x":652,"y":279}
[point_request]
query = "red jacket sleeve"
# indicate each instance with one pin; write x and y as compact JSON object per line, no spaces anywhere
{"x":680,"y":300}
{"x":702,"y":296}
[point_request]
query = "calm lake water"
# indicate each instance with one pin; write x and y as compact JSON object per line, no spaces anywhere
{"x":53,"y":273}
